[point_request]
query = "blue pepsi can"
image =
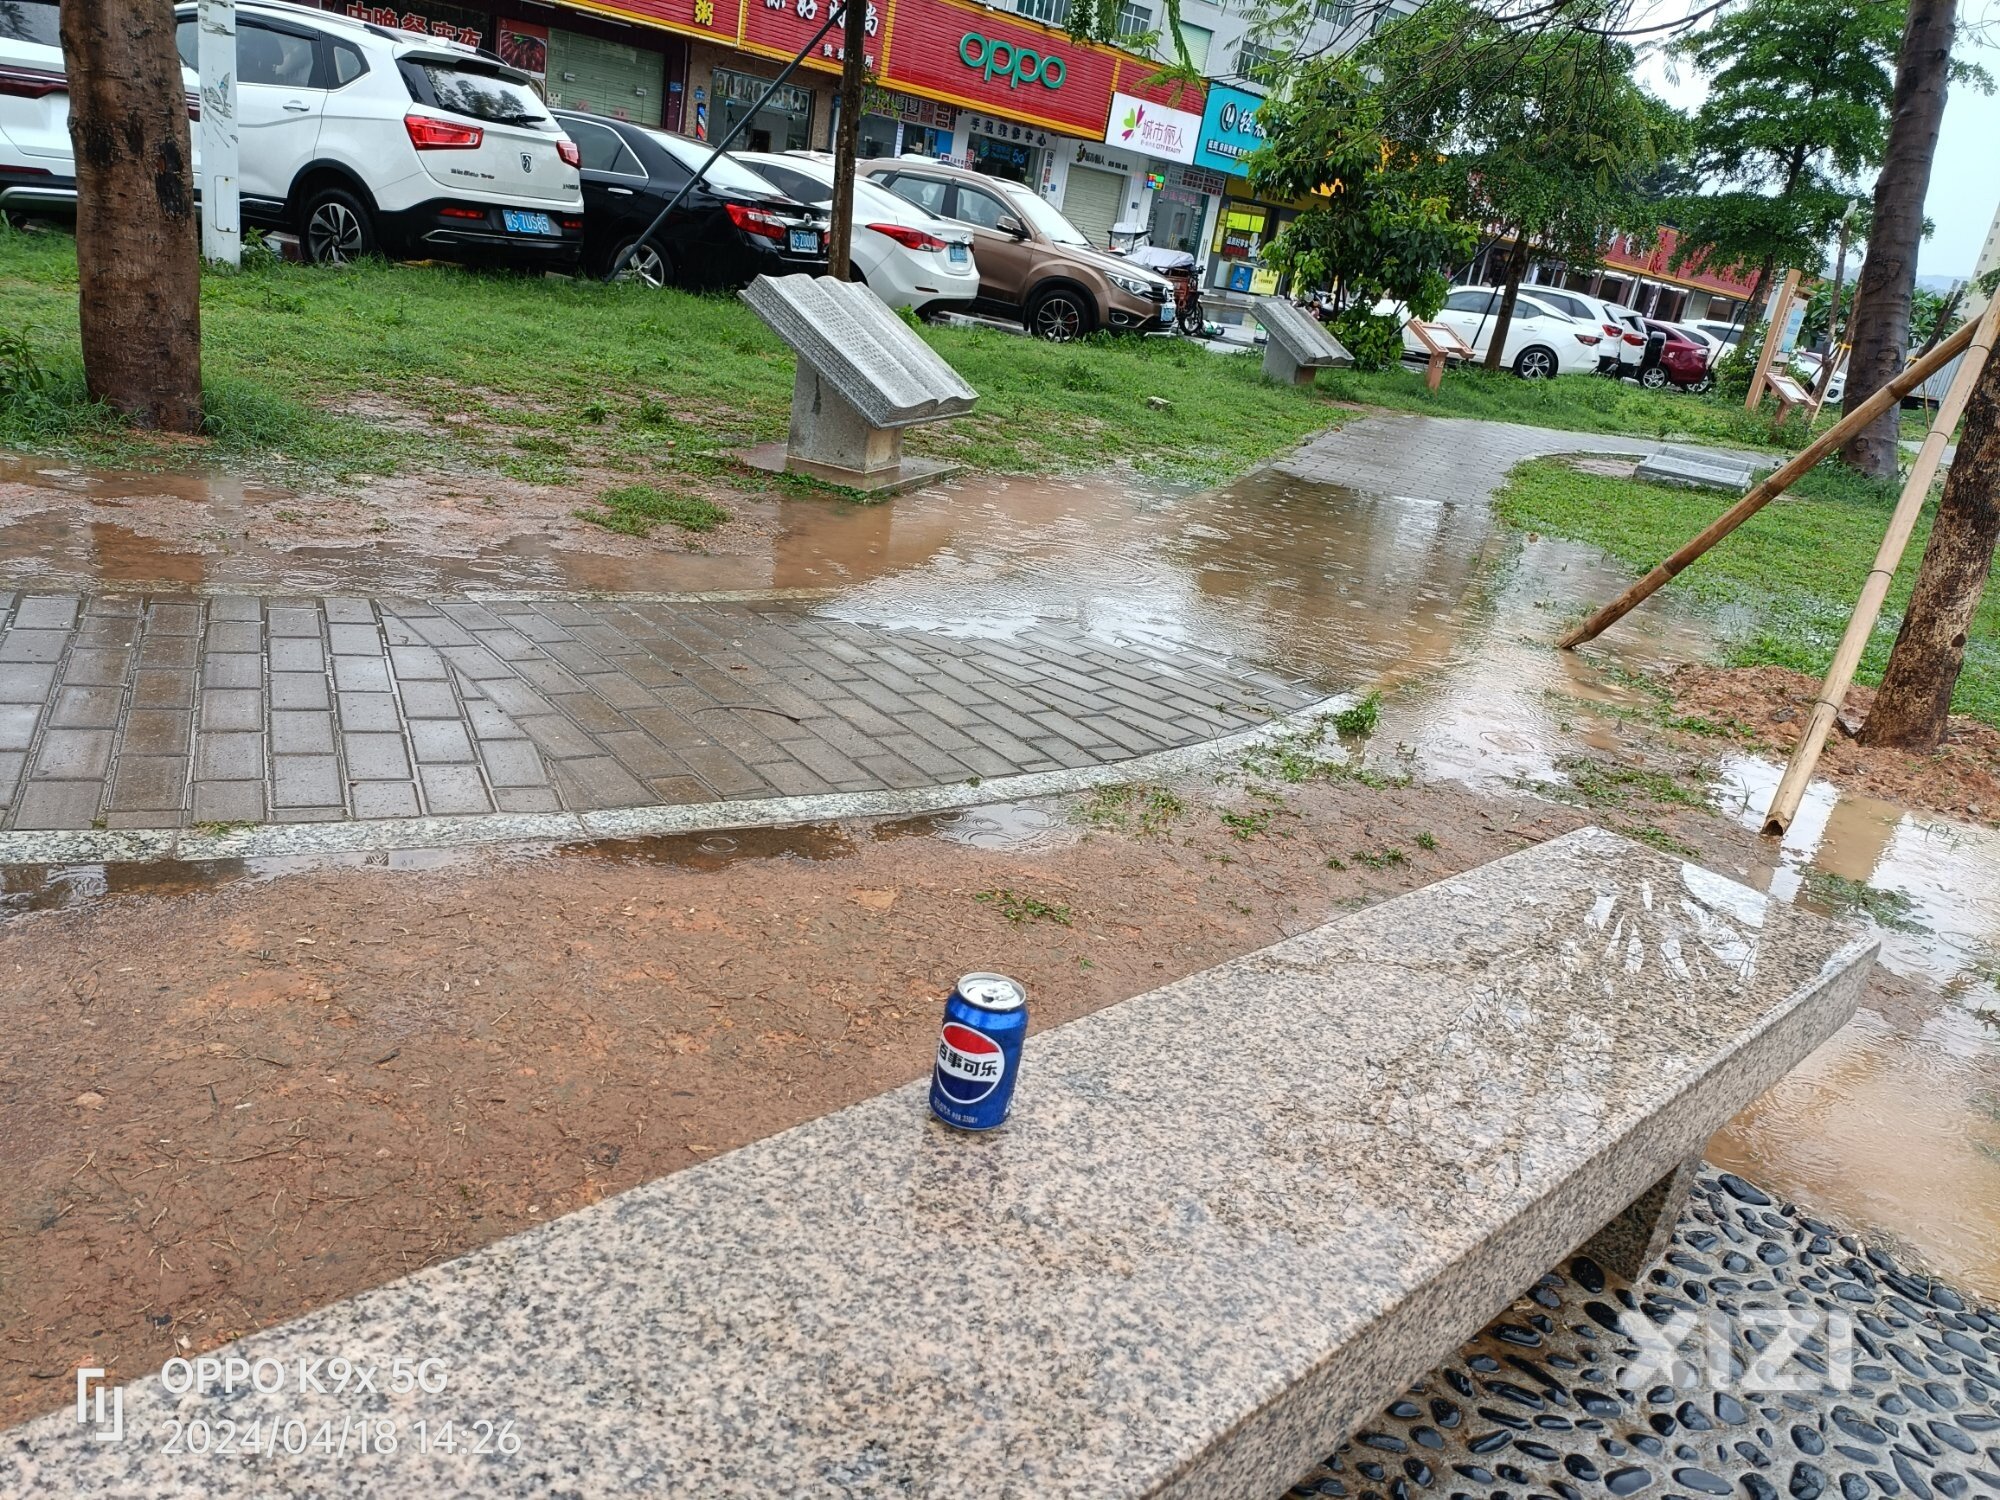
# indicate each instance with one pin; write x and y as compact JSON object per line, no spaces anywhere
{"x":979,"y":1051}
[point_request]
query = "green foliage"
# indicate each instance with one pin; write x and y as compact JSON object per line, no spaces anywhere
{"x":21,"y":372}
{"x":1540,"y":129}
{"x":1783,"y":584}
{"x":1361,"y":718}
{"x":636,"y":509}
{"x":1374,"y":339}
{"x":1795,"y":119}
{"x":1372,"y":231}
{"x":1020,"y":909}
{"x":1142,"y":808}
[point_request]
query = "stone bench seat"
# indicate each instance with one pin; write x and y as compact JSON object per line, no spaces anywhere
{"x":1228,"y":1221}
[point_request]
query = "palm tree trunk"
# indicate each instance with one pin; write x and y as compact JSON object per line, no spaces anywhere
{"x":138,"y":259}
{"x":1881,"y":320}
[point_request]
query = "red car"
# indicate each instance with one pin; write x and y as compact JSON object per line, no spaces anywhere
{"x":1683,"y":363}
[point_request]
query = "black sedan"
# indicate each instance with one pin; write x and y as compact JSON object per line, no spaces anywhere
{"x":733,"y":226}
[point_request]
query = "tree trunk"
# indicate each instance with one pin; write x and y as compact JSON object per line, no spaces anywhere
{"x":138,"y":260}
{"x":1517,"y":267}
{"x":1882,"y":294}
{"x":1915,"y":699}
{"x":847,"y":138}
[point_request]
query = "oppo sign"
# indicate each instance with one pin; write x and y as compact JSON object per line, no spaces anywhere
{"x":1018,"y":65}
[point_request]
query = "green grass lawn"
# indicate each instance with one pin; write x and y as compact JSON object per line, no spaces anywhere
{"x":324,"y":369}
{"x":1792,"y":572}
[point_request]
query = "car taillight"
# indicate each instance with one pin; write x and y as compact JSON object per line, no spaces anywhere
{"x":566,"y":149}
{"x":32,"y":83}
{"x":1612,"y":329}
{"x":1637,"y":341}
{"x":571,"y":223}
{"x":1587,"y":338}
{"x":909,"y":239}
{"x":462,"y":213}
{"x":427,"y":134}
{"x":757,"y":221}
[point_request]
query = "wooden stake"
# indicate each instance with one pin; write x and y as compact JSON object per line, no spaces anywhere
{"x":1770,"y":487}
{"x":1781,"y":312}
{"x":1868,"y":609}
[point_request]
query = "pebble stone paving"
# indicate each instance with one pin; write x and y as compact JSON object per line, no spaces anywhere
{"x":1533,"y":1409}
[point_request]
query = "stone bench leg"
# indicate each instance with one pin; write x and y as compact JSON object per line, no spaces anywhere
{"x":1280,"y":366}
{"x":1630,"y":1243}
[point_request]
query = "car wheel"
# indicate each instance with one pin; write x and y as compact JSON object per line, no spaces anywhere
{"x":1704,"y":385}
{"x":336,"y":228}
{"x":1535,"y":363}
{"x":1060,"y":316}
{"x":1654,"y":379}
{"x":649,"y":265}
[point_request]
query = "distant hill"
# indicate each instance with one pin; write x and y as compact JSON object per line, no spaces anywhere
{"x":1940,"y":284}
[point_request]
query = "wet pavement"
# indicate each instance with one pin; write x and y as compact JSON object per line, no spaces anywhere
{"x":1370,"y":559}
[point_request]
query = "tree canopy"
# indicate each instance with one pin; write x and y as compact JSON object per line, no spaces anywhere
{"x":1797,"y":115}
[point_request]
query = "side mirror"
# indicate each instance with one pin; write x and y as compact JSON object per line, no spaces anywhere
{"x":1011,"y":225}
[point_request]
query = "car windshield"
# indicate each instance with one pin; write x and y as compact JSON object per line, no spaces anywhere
{"x":728,"y":174}
{"x":481,"y":95}
{"x":1042,"y":216}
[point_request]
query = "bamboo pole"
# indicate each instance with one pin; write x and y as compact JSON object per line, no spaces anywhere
{"x":1770,"y":487}
{"x":1774,"y":333}
{"x":1868,"y":609}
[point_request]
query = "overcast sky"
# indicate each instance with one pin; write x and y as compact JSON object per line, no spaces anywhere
{"x":1965,"y":179}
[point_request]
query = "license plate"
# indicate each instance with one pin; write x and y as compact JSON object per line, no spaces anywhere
{"x":958,"y":255}
{"x":1167,"y":312}
{"x":520,"y":221}
{"x":805,"y":242}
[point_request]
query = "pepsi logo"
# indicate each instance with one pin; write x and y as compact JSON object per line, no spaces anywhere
{"x":970,"y":1064}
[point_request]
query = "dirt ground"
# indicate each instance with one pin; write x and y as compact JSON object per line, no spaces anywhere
{"x":224,"y":1106}
{"x":1772,"y":705}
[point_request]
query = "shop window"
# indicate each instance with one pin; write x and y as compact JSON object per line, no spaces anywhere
{"x":783,"y":124}
{"x":1052,"y":12}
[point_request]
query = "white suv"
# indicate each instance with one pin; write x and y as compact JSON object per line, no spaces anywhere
{"x":37,"y":167}
{"x":365,"y":139}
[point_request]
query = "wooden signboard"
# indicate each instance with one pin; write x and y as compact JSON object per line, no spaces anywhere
{"x":1443,"y":343}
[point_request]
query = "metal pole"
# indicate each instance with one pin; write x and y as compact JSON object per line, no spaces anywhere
{"x":221,"y":201}
{"x":1868,"y":609}
{"x":722,"y":145}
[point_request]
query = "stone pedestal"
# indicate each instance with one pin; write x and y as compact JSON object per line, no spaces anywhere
{"x":1298,"y":347}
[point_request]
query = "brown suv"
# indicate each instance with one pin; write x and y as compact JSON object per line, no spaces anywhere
{"x":1033,"y":263}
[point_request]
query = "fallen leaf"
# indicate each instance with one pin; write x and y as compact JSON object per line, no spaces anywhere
{"x":92,"y":1100}
{"x":876,"y":900}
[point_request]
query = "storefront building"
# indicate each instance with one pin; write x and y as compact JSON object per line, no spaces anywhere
{"x":1229,"y":134}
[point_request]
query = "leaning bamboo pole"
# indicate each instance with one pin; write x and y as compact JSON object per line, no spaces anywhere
{"x":1868,"y":609}
{"x":1770,"y":487}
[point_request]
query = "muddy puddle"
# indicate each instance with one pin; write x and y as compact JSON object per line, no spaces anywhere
{"x":1894,"y":1126}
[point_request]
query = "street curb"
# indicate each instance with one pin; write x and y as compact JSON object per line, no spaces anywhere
{"x":379,"y":835}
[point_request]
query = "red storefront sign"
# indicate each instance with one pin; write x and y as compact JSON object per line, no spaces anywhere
{"x":778,"y":28}
{"x":716,"y":20}
{"x":999,"y":65}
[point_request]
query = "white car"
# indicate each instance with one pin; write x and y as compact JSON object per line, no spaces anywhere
{"x":364,"y":139}
{"x":1541,"y":342}
{"x":1623,"y":329}
{"x":907,"y":256}
{"x":37,"y":167}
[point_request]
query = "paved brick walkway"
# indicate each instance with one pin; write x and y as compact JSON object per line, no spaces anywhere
{"x":133,"y":712}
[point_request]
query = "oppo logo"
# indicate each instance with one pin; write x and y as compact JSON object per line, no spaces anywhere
{"x":1018,"y":65}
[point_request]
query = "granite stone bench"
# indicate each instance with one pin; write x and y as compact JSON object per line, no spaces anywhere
{"x":1299,"y":346}
{"x":1229,"y":1220}
{"x":863,"y":376}
{"x":1701,"y":468}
